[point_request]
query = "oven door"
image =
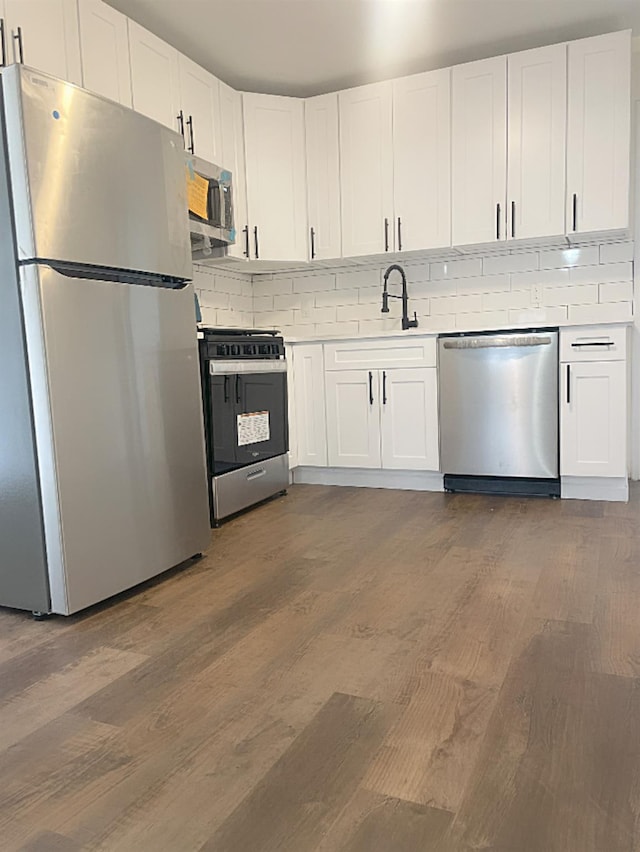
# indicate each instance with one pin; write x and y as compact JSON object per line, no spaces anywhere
{"x":248,"y":413}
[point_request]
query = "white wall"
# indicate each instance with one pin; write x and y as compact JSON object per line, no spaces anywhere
{"x":589,"y":284}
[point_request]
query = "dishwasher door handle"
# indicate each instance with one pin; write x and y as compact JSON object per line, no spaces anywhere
{"x":501,"y":342}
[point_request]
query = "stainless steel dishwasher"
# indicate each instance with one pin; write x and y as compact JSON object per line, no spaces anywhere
{"x":499,"y":412}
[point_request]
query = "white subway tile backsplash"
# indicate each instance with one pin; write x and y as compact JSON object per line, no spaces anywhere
{"x":263,"y":303}
{"x":612,"y":312}
{"x":363,"y":312}
{"x":274,"y":319}
{"x":441,"y":322}
{"x":287,"y":302}
{"x":263,"y":285}
{"x":234,"y":286}
{"x":211,"y":299}
{"x":621,"y":291}
{"x":449,"y":269}
{"x":510,"y":263}
{"x":616,"y":252}
{"x":314,"y":283}
{"x":339,"y":297}
{"x":415,"y":273}
{"x":456,"y":304}
{"x":602,"y":274}
{"x":347,"y":279}
{"x":520,"y":280}
{"x":581,"y":294}
{"x":484,"y":320}
{"x":242,"y":303}
{"x":339,"y":329}
{"x":484,"y":284}
{"x":376,"y":326}
{"x":314,"y":315}
{"x":505,"y":301}
{"x":558,"y":258}
{"x":538,"y":316}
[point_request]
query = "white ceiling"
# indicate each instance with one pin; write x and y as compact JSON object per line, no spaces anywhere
{"x":305,"y":47}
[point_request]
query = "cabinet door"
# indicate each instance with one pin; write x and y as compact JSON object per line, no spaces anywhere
{"x":366,"y":168}
{"x":598,"y":133}
{"x":49,"y":36}
{"x":323,"y":176}
{"x":593,"y":421}
{"x":276,"y":192}
{"x":310,"y":413}
{"x":422,"y":160}
{"x":353,"y":418}
{"x":232,"y":158}
{"x":200,"y":104}
{"x":104,"y":41}
{"x":154,"y":76}
{"x":479,"y":151}
{"x":410,"y":419}
{"x":537,"y":142}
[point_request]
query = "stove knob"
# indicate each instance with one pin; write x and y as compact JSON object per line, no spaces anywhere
{"x":222,"y":349}
{"x":235,"y":349}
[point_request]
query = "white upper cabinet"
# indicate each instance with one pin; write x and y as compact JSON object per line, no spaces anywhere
{"x":276,"y":185}
{"x":599,"y":116}
{"x":232,"y":158}
{"x":44,"y":35}
{"x":422,"y":160}
{"x":366,"y":166}
{"x":409,"y":419}
{"x":479,"y":151}
{"x":104,"y":42}
{"x":200,"y":105}
{"x":537,"y":142}
{"x":323,"y":176}
{"x":155,"y":78}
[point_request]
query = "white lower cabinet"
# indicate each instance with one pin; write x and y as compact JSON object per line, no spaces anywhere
{"x":353,"y":418}
{"x":307,"y":404}
{"x":593,"y":419}
{"x":383,"y":418}
{"x":409,"y":419}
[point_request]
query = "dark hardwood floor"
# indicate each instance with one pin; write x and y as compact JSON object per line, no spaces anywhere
{"x":357,"y":670}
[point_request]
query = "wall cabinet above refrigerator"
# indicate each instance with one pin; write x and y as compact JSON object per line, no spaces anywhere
{"x":104,"y":42}
{"x":44,"y":35}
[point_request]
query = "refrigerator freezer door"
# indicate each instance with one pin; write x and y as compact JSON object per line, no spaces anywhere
{"x":118,"y":421}
{"x":93,"y":182}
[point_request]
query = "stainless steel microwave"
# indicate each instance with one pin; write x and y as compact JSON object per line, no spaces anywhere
{"x":210,"y":208}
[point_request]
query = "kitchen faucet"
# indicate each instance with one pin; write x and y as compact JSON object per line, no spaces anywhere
{"x":406,"y":322}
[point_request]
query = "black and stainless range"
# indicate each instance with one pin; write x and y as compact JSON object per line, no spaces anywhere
{"x":244,"y":390}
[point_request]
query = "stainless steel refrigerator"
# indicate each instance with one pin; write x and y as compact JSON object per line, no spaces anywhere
{"x":102,"y":463}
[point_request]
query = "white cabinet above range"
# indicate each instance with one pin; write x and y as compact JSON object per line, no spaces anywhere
{"x":276,"y":186}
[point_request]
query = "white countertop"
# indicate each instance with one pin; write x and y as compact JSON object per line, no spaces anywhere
{"x":418,"y":332}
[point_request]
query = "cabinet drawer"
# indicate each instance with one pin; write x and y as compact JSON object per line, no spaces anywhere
{"x":599,"y":343}
{"x":380,"y":354}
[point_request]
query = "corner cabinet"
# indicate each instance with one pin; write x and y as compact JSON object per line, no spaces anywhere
{"x":599,"y":132}
{"x":104,"y":42}
{"x":323,"y":176}
{"x":276,"y":186}
{"x":382,"y":415}
{"x":593,"y":403}
{"x":366,"y":164}
{"x":44,"y":35}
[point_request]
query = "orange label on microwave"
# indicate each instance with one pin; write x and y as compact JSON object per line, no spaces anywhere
{"x":197,"y":193}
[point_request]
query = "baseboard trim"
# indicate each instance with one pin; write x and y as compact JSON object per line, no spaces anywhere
{"x":614,"y":489}
{"x":404,"y":480}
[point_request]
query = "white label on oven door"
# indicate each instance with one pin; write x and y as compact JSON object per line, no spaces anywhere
{"x":253,"y":428}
